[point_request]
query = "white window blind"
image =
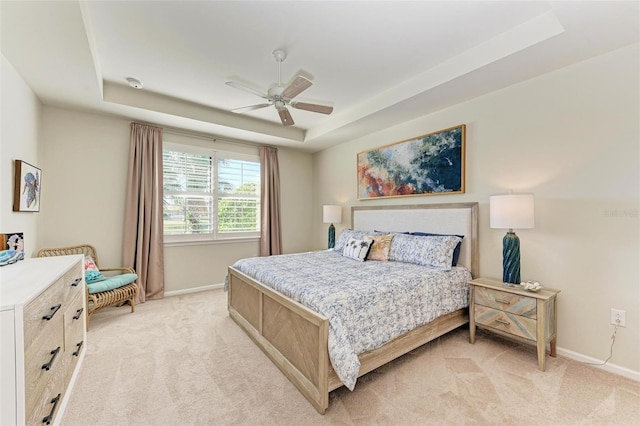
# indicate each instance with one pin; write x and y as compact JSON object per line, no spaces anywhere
{"x":238,"y":195}
{"x":209,"y":195}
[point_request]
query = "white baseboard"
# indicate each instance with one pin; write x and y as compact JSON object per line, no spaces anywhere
{"x":611,"y":368}
{"x":193,"y":290}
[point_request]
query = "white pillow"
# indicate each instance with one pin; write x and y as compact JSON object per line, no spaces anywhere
{"x":348,"y":233}
{"x":357,"y":249}
{"x":435,"y":251}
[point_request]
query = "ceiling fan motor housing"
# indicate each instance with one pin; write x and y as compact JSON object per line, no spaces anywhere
{"x":280,"y":55}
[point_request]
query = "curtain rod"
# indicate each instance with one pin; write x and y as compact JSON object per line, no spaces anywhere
{"x":208,"y":137}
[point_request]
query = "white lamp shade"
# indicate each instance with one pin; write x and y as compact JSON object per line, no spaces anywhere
{"x":511,"y":211}
{"x":331,"y":214}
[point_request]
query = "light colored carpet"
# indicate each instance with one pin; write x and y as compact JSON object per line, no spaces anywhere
{"x":183,"y":361}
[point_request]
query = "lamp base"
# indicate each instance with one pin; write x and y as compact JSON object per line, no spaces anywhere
{"x":332,"y":236}
{"x":511,"y":258}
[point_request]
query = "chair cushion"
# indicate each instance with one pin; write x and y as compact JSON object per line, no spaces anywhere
{"x":109,"y":283}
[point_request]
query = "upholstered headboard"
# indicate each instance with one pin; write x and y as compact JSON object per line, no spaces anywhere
{"x":450,"y":218}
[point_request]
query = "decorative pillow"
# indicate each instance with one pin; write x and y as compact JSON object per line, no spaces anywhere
{"x":380,"y":247}
{"x":357,"y":249}
{"x":110,"y":283}
{"x":435,"y":251}
{"x":348,"y":233}
{"x":456,"y":251}
{"x":91,"y":272}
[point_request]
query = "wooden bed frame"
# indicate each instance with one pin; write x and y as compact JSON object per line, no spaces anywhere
{"x":295,"y":338}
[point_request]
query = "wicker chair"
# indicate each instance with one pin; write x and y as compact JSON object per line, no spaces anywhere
{"x":103,"y":299}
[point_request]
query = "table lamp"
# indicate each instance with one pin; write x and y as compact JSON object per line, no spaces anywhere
{"x":332,"y":214}
{"x":511,"y":211}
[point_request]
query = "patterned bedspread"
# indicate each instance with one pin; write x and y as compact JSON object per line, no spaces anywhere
{"x":367,"y":303}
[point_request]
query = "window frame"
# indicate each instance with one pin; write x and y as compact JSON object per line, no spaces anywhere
{"x":215,"y":237}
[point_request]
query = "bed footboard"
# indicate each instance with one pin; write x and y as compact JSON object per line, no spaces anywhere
{"x":291,"y":335}
{"x":295,"y":338}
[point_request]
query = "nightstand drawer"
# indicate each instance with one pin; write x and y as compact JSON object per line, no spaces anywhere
{"x":505,"y":321}
{"x":508,"y":302}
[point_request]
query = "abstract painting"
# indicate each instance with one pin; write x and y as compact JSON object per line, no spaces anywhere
{"x":430,"y":164}
{"x":26,"y":192}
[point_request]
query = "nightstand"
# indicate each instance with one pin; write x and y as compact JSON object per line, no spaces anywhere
{"x":514,"y":312}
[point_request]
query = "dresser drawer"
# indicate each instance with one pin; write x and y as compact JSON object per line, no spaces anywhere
{"x":71,"y":283}
{"x":508,"y":302}
{"x":44,"y":365}
{"x":46,"y":406}
{"x":48,"y":305}
{"x":505,"y":321}
{"x":74,"y":325}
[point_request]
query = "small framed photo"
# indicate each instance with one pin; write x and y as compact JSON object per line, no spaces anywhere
{"x":26,"y":189}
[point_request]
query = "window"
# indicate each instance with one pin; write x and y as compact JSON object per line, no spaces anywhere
{"x":209,"y":195}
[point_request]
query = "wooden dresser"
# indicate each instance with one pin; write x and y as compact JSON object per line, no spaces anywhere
{"x":514,"y":312}
{"x":43,"y":337}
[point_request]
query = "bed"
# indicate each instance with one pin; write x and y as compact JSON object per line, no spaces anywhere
{"x":296,"y":338}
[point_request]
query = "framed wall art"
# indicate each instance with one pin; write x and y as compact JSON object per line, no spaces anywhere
{"x":11,"y":248}
{"x":430,"y":164}
{"x":27,"y":184}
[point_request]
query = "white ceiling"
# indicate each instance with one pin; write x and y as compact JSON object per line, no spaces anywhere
{"x":377,"y":63}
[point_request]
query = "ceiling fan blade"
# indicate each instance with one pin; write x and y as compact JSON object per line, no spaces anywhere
{"x":249,"y":108}
{"x":297,"y":86}
{"x":285,"y":117}
{"x":246,"y":88}
{"x":323,"y":109}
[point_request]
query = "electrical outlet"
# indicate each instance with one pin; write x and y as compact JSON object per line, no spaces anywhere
{"x":618,"y":317}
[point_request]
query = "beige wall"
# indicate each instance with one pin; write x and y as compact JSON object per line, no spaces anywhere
{"x":570,"y":137}
{"x":86,"y":158}
{"x":19,"y":137}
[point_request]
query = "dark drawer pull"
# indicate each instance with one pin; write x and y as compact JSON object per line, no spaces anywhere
{"x":54,"y":401}
{"x":78,"y":313}
{"x":54,"y":309}
{"x":76,"y":282}
{"x":54,"y":353}
{"x":504,"y":301}
{"x":79,"y":345}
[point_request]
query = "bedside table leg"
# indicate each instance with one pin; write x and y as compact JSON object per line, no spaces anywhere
{"x":541,"y":354}
{"x":472,"y":316}
{"x":552,"y":346}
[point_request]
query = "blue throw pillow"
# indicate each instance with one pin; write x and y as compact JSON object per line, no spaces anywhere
{"x":456,"y":251}
{"x":91,"y":272}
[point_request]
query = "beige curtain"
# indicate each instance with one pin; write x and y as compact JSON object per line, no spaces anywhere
{"x":270,"y":235}
{"x":143,"y":233}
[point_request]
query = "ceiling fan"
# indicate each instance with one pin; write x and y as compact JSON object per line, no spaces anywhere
{"x":280,"y":96}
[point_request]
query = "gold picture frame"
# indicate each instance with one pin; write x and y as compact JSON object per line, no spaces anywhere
{"x":27,"y":187}
{"x":430,"y":164}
